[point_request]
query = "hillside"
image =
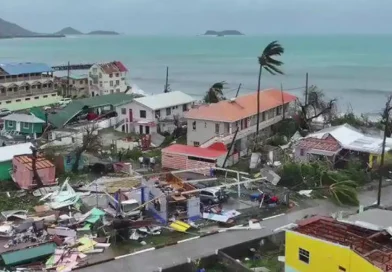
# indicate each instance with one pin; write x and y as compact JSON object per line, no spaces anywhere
{"x":11,"y":30}
{"x":8,"y":29}
{"x":223,"y":33}
{"x":69,"y":31}
{"x":102,"y":32}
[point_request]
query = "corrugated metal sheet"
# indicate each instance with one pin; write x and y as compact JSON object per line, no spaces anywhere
{"x":165,"y":100}
{"x":28,"y":254}
{"x":8,"y":152}
{"x":25,"y":68}
{"x":200,"y":152}
{"x":41,"y":163}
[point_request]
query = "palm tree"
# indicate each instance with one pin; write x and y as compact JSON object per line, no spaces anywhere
{"x":215,"y":93}
{"x":267,"y":62}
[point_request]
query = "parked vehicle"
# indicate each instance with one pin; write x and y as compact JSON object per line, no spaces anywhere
{"x":65,"y":101}
{"x":5,"y":112}
{"x":213,"y":196}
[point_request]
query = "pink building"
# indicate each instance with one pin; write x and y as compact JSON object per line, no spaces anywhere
{"x":23,"y":171}
{"x":182,"y":157}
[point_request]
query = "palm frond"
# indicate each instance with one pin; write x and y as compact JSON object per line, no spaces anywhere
{"x":274,"y":68}
{"x":269,"y":70}
{"x":267,"y":61}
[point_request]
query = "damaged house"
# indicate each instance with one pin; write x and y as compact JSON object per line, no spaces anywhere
{"x":339,"y":144}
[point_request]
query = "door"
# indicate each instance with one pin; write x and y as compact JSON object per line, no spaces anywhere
{"x":130,"y":115}
{"x":147,"y":130}
{"x":140,"y":129}
{"x":246,"y":122}
{"x":17,"y":128}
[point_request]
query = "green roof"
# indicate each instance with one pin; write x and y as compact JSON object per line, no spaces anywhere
{"x":61,"y":118}
{"x":26,"y":255}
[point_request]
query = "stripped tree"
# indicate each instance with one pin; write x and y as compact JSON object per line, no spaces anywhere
{"x":215,"y":93}
{"x":91,"y":142}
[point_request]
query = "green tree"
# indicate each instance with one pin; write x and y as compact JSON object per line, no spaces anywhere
{"x":215,"y":93}
{"x":271,"y":65}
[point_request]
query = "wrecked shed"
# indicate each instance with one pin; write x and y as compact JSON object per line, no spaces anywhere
{"x":23,"y":171}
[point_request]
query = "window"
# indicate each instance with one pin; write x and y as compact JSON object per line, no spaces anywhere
{"x":27,"y":99}
{"x":279,"y":110}
{"x":217,"y":128}
{"x":37,"y":97}
{"x":26,"y":125}
{"x":110,"y":75}
{"x":100,"y":84}
{"x":184,"y":107}
{"x":73,"y":82}
{"x":111,"y":83}
{"x":100,"y":75}
{"x":45,"y":96}
{"x":123,"y":111}
{"x":206,"y":193}
{"x":341,"y":268}
{"x":205,"y":124}
{"x":117,"y":74}
{"x":11,"y":124}
{"x":143,"y":114}
{"x":201,"y":159}
{"x":54,"y":94}
{"x":196,"y":144}
{"x":91,"y":83}
{"x":194,"y":125}
{"x":304,"y":255}
{"x":263,"y":116}
{"x":168,"y":111}
{"x":117,"y":82}
{"x":302,"y":152}
{"x":157,"y":114}
{"x":17,"y":100}
{"x":95,"y":70}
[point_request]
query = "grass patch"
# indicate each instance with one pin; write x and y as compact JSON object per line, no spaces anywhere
{"x":18,"y":200}
{"x":271,"y":262}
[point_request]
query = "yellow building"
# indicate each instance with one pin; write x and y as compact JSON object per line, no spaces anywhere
{"x":321,"y":244}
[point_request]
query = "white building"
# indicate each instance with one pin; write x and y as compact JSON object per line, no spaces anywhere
{"x":151,"y":114}
{"x":209,"y":124}
{"x":107,"y":78}
{"x":26,"y":85}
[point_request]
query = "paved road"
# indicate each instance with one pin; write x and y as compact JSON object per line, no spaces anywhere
{"x":178,"y":254}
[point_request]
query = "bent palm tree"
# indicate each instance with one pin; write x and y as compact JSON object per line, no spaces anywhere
{"x":215,"y":93}
{"x":267,"y":62}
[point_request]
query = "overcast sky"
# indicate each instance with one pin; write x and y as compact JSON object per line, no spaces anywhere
{"x":196,"y":16}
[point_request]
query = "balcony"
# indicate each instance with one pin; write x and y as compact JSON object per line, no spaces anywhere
{"x":30,"y":92}
{"x":23,"y":79}
{"x":228,"y":138}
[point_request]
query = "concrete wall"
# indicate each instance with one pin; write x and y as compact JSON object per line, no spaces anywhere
{"x":205,"y":130}
{"x":150,"y":193}
{"x":193,"y":208}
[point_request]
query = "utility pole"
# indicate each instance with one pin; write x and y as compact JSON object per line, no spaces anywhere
{"x":238,"y":90}
{"x":281,"y":92}
{"x":68,"y":80}
{"x":167,"y":86}
{"x":385,"y":117}
{"x":306,"y":88}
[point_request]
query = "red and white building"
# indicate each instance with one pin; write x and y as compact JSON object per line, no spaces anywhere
{"x":182,"y":157}
{"x":107,"y":78}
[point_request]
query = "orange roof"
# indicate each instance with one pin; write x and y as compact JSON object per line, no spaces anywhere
{"x":244,"y":106}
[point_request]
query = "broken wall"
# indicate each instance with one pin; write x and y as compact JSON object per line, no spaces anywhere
{"x":193,"y":208}
{"x":151,"y":193}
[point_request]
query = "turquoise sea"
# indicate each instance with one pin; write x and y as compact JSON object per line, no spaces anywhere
{"x":355,"y":69}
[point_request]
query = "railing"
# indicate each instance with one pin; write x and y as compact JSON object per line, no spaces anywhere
{"x":227,"y":138}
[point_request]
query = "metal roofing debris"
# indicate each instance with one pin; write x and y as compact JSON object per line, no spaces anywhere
{"x":61,"y":118}
{"x":26,"y":118}
{"x":165,"y":100}
{"x":351,"y":139}
{"x":25,"y":68}
{"x":7,"y":153}
{"x":41,"y":162}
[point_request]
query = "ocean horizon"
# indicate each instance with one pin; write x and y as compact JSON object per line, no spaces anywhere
{"x":355,"y":69}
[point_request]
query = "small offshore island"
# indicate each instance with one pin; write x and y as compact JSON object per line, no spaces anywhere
{"x":223,"y":33}
{"x":10,"y":30}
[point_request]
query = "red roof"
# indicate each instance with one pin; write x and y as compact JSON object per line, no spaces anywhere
{"x":121,"y":66}
{"x":328,"y":144}
{"x":242,"y":107}
{"x":193,"y":151}
{"x":113,"y":67}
